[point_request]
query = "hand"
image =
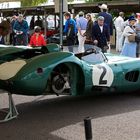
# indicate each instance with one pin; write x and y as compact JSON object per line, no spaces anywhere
{"x":21,"y":32}
{"x":84,"y":34}
{"x":95,"y":42}
{"x":108,"y":43}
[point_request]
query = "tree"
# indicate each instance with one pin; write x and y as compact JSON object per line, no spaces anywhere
{"x":35,"y":2}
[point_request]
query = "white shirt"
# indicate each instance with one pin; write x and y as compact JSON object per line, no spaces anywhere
{"x":101,"y":28}
{"x":119,"y":23}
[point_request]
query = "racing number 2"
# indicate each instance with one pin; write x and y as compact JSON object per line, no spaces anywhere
{"x":102,"y":75}
{"x":101,"y":81}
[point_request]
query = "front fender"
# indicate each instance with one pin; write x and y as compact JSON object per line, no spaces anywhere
{"x":29,"y":81}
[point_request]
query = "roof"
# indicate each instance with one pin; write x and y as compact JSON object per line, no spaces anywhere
{"x":123,"y":5}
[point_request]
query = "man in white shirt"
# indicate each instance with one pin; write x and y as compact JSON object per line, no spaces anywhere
{"x":119,"y":30}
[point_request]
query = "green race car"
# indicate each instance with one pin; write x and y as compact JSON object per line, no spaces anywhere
{"x":47,"y":70}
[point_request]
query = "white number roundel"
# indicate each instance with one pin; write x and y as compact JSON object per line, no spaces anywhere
{"x":102,"y":75}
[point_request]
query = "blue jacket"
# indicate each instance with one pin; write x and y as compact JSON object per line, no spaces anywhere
{"x":70,"y":21}
{"x":102,"y":37}
{"x":108,"y":20}
{"x":21,"y":26}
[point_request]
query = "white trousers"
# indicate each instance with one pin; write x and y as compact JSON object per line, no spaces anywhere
{"x":81,"y":40}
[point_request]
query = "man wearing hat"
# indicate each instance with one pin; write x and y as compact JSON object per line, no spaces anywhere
{"x":101,"y":34}
{"x":129,"y":47}
{"x":107,"y":17}
{"x":81,"y":26}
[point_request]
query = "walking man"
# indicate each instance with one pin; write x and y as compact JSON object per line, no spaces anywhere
{"x":81,"y":26}
{"x":101,"y":34}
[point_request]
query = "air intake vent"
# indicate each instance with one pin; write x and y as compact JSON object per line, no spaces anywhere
{"x":132,"y":76}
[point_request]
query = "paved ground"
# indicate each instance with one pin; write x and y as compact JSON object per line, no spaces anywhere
{"x":114,"y":117}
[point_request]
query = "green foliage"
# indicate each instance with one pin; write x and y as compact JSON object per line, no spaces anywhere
{"x":34,"y":2}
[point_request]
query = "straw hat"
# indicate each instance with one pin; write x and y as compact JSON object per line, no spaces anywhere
{"x":103,"y":6}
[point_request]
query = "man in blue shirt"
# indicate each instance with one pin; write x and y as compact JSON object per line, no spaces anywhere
{"x":81,"y":26}
{"x":70,"y":31}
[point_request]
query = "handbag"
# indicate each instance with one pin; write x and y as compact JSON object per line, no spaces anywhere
{"x":131,"y":38}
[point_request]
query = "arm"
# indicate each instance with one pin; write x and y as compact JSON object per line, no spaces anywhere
{"x":128,"y":31}
{"x":43,"y":41}
{"x":25,"y":27}
{"x":111,"y":27}
{"x":93,"y":33}
{"x":107,"y":33}
{"x":66,"y":27}
{"x":78,"y":26}
{"x":31,"y":41}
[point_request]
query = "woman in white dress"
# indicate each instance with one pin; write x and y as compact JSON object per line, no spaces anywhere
{"x":129,"y":48}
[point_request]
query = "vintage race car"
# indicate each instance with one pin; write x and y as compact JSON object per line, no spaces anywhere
{"x":46,"y":70}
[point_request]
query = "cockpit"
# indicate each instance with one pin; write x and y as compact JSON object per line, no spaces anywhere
{"x":92,"y":56}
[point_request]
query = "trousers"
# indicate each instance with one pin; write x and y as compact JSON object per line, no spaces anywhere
{"x":81,"y":40}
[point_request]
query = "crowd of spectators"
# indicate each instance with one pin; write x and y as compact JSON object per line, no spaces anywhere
{"x":100,"y":31}
{"x":22,"y":33}
{"x":88,"y":30}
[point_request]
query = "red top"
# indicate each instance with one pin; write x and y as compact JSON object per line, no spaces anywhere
{"x":37,"y":41}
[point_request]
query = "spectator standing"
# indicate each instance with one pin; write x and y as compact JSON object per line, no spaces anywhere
{"x":101,"y":34}
{"x":81,"y":26}
{"x":32,"y":23}
{"x":37,"y":39}
{"x":118,"y":25}
{"x":21,"y":30}
{"x":7,"y":22}
{"x":88,"y":32}
{"x":70,"y":31}
{"x":39,"y":22}
{"x":107,"y":17}
{"x":13,"y":34}
{"x":129,"y":48}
